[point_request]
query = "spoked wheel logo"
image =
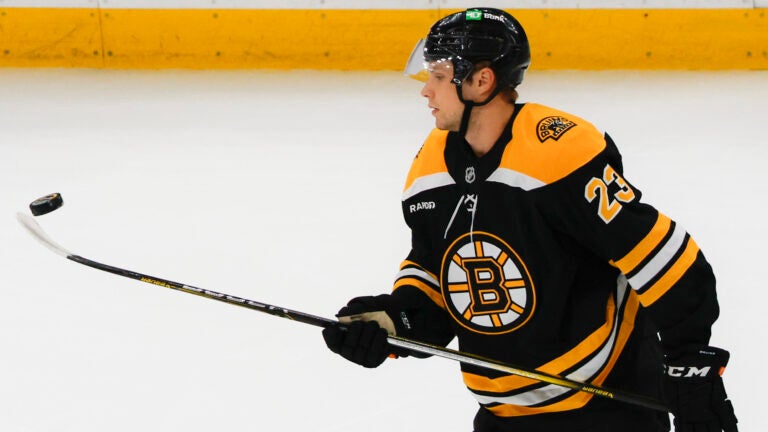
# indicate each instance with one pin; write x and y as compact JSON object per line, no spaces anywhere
{"x":486,"y":286}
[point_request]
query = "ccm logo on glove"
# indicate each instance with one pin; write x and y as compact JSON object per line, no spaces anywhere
{"x":688,"y":371}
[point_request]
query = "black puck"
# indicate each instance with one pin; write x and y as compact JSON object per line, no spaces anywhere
{"x":46,"y":204}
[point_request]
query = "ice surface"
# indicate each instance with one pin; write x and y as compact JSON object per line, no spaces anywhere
{"x":284,"y":188}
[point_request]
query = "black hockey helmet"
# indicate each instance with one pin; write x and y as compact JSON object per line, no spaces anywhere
{"x":471,"y":36}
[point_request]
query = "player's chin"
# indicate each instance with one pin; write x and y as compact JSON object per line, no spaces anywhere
{"x":442,"y":125}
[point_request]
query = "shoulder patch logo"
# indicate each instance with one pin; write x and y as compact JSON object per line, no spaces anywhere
{"x":485,"y":284}
{"x":553,"y":127}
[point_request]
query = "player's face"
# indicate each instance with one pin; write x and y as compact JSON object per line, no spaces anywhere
{"x":441,"y":94}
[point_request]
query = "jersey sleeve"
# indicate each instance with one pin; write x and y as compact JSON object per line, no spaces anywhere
{"x":417,"y":291}
{"x":599,"y":208}
{"x":417,"y":285}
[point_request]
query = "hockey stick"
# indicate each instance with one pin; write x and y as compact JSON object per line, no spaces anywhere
{"x":34,"y":228}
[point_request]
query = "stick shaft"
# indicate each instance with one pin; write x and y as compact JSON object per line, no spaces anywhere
{"x":209,"y":294}
{"x":34,"y":228}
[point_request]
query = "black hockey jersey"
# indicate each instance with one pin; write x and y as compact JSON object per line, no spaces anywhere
{"x":540,"y":253}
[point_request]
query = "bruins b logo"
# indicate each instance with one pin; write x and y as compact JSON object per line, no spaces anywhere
{"x":486,"y":286}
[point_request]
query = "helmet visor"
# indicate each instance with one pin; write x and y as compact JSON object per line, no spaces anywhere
{"x":419,"y":68}
{"x":416,"y":67}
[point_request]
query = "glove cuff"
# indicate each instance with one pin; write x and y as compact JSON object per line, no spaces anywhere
{"x":696,"y":363}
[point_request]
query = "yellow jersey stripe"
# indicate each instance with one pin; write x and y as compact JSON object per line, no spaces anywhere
{"x":530,"y":160}
{"x":631,"y":260}
{"x":408,"y":263}
{"x":584,"y":349}
{"x":418,"y":272}
{"x":435,"y":296}
{"x":428,"y":169}
{"x":661,"y":260}
{"x":513,"y":382}
{"x":672,"y":275}
{"x":578,"y":399}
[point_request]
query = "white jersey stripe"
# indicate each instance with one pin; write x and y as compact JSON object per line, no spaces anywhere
{"x":596,"y":363}
{"x":583,"y":374}
{"x":428,"y":182}
{"x":421,"y":274}
{"x":660,"y":260}
{"x":533,"y":397}
{"x":515,"y":179}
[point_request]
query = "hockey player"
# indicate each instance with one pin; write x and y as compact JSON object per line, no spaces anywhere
{"x":531,"y":247}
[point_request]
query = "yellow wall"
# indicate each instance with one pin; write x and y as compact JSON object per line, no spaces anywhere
{"x":371,"y":39}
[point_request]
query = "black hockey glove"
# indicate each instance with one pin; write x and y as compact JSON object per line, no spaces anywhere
{"x":695,"y":390}
{"x":365,"y":324}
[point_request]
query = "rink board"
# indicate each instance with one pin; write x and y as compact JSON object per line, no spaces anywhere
{"x":369,"y":39}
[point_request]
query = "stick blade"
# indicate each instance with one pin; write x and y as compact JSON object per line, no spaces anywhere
{"x":31,"y":225}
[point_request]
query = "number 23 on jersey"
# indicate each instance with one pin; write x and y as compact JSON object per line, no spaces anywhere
{"x":609,"y":204}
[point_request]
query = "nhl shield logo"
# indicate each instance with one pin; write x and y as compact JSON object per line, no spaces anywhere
{"x":469,"y":175}
{"x":553,"y":127}
{"x":486,"y":286}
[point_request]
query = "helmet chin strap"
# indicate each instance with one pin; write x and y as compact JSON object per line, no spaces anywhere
{"x":468,"y":105}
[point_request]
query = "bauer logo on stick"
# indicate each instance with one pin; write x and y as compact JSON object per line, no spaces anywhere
{"x":46,"y":204}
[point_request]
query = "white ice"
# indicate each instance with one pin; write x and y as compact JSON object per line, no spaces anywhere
{"x":285,"y":188}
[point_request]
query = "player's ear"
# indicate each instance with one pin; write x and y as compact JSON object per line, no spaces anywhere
{"x":485,"y":79}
